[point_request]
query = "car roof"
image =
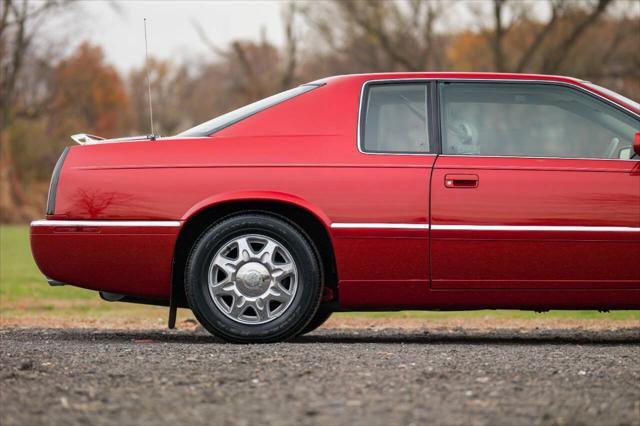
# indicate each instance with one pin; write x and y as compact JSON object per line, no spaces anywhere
{"x":451,"y":75}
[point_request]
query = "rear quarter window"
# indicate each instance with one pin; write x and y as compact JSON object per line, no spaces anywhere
{"x":394,"y":119}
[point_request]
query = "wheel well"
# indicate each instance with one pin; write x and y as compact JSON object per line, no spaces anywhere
{"x":308,"y":223}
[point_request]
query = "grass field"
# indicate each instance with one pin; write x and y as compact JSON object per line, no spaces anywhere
{"x":24,"y":292}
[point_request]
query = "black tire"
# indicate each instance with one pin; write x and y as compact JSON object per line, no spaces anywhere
{"x":321,"y":316}
{"x":305,"y":301}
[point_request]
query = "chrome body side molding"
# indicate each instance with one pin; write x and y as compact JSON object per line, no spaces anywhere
{"x":109,"y":223}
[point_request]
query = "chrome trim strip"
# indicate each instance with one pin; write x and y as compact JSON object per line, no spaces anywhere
{"x":534,"y":228}
{"x":483,"y":80}
{"x":561,"y":228}
{"x":108,"y":223}
{"x":379,"y":226}
{"x":535,"y":158}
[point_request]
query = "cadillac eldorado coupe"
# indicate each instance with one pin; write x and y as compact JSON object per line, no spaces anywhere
{"x":424,"y":191}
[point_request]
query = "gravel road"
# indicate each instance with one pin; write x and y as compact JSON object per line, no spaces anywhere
{"x":502,"y":377}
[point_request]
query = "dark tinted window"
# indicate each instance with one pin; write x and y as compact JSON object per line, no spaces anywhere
{"x":395,"y":119}
{"x":532,"y":120}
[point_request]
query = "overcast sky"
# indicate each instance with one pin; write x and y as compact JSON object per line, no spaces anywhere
{"x":119,"y":28}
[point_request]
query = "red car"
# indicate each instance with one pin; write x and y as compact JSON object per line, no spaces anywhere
{"x":446,"y":191}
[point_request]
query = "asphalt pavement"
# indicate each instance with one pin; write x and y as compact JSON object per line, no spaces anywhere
{"x":331,"y":377}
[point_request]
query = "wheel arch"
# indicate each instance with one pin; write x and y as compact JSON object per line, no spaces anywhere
{"x":314,"y":224}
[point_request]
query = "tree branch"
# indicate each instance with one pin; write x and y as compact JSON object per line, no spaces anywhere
{"x":498,"y":34}
{"x":555,"y":60}
{"x":291,"y":46}
{"x":205,"y":38}
{"x":376,"y":30}
{"x":540,"y":37}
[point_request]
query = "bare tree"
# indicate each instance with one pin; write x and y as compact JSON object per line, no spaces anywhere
{"x":19,"y":24}
{"x":371,"y":18}
{"x":388,"y":35}
{"x":540,"y":37}
{"x":498,"y":33}
{"x":557,"y":56}
{"x":244,"y":54}
{"x":291,"y":50}
{"x":569,"y":19}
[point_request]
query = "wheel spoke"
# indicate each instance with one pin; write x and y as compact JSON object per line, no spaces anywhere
{"x":261,"y":310}
{"x":227,"y":265}
{"x":224,"y":287}
{"x":244,"y":249}
{"x":283,"y":270}
{"x":267,"y":252}
{"x":280,"y":295}
{"x":237,"y":307}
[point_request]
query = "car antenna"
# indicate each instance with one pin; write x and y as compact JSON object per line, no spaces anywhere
{"x":152,"y":136}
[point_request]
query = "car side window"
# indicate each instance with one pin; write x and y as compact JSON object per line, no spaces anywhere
{"x":532,"y":120}
{"x":394,"y":119}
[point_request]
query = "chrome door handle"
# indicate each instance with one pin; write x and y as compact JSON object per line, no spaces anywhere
{"x":461,"y":181}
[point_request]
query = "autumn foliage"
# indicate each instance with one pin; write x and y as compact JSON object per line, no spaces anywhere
{"x":87,"y":93}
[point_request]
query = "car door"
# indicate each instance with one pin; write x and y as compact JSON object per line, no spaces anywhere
{"x":531,"y":192}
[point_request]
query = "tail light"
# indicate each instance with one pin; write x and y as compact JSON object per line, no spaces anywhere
{"x":53,"y":186}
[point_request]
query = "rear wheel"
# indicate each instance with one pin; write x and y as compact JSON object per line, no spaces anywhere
{"x":253,"y":278}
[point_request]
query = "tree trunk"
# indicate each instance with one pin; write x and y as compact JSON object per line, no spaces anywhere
{"x":498,"y":35}
{"x":12,"y":196}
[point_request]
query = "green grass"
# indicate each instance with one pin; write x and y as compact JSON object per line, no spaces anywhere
{"x":24,"y":291}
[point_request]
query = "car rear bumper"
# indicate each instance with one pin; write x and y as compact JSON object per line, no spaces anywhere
{"x":125,"y":257}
